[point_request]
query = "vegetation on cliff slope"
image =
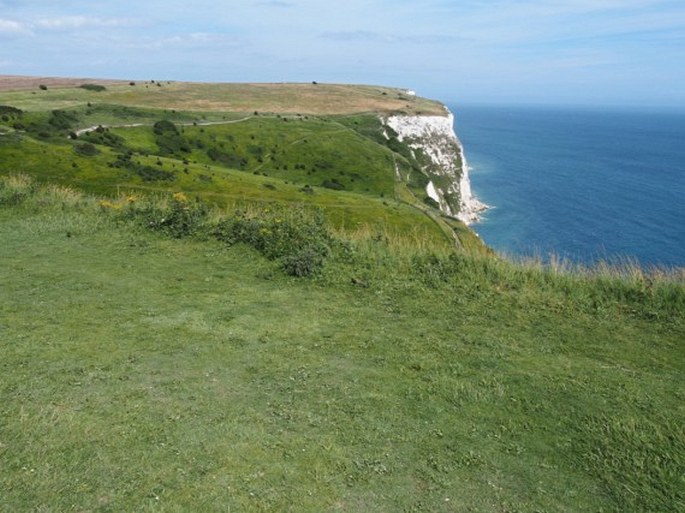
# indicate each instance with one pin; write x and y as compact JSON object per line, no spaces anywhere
{"x":339,"y":162}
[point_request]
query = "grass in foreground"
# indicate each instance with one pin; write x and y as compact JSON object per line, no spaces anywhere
{"x":147,"y":373}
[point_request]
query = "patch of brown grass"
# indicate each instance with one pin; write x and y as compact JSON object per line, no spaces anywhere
{"x":22,"y":83}
{"x":281,"y":98}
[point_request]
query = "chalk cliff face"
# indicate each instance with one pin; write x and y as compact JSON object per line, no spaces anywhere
{"x":445,"y":165}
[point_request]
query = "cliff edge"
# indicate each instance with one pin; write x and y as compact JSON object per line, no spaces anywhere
{"x":437,"y":147}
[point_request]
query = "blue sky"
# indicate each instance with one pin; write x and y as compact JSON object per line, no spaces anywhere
{"x":617,"y":52}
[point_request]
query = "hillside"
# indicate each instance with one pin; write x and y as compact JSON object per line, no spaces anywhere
{"x":315,"y":144}
{"x":261,"y":309}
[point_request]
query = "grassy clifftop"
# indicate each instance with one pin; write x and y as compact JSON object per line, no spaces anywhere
{"x":210,"y":310}
{"x":285,"y":98}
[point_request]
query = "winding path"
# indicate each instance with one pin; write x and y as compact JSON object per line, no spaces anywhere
{"x":82,"y":131}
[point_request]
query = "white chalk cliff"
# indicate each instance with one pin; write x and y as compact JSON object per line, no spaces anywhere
{"x":446,"y":166}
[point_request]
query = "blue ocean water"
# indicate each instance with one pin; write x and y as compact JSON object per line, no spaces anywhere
{"x":581,"y":184}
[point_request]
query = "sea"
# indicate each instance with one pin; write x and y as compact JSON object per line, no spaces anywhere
{"x":579,"y":184}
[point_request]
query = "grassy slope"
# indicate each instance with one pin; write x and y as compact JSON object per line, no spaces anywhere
{"x":278,"y":155}
{"x":181,"y":375}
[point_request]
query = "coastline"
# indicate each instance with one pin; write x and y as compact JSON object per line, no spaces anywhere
{"x":449,"y":184}
{"x":471,"y":206}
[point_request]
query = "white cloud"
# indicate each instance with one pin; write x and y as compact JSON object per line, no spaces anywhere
{"x":378,"y":37}
{"x":13,"y":27}
{"x":76,"y":22}
{"x":197,"y":40}
{"x":10,"y":27}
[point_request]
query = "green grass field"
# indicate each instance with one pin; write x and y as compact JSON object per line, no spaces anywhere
{"x":223,"y":310}
{"x":147,"y":373}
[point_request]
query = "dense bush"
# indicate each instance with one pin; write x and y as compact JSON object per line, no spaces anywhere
{"x":153,"y":174}
{"x":169,"y":139}
{"x":93,"y":87}
{"x":228,"y":160}
{"x":147,"y":173}
{"x":333,"y":184}
{"x":298,"y":239}
{"x":61,"y":119}
{"x":104,"y":136}
{"x":164,"y":127}
{"x":56,"y":124}
{"x":178,"y":217}
{"x":10,"y":112}
{"x":86,"y":149}
{"x":431,"y":202}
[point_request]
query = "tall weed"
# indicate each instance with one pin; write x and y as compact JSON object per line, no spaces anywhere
{"x":15,"y":189}
{"x":177,"y":217}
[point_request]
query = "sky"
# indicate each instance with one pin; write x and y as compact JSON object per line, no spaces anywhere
{"x":572,"y":52}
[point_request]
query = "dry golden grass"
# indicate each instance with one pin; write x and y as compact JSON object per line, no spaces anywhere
{"x":281,"y":98}
{"x":22,"y":83}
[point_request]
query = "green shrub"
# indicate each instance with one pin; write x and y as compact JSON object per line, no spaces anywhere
{"x":10,"y":112}
{"x":333,"y":184}
{"x":298,"y":239}
{"x":93,"y":87}
{"x":305,"y":262}
{"x":164,"y":126}
{"x":431,"y":202}
{"x":104,"y":136}
{"x":228,"y":160}
{"x":177,"y":217}
{"x":433,"y":269}
{"x":169,"y":139}
{"x":61,"y":119}
{"x":152,"y":174}
{"x":86,"y":149}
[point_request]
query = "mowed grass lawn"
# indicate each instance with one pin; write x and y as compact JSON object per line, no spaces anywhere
{"x":141,"y":373}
